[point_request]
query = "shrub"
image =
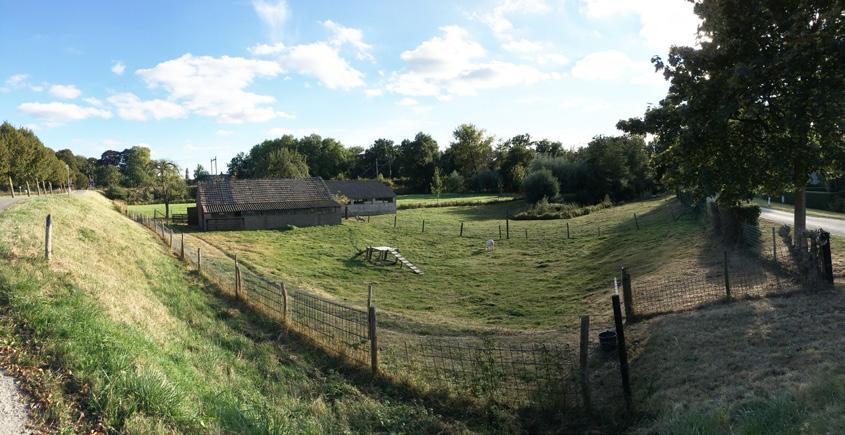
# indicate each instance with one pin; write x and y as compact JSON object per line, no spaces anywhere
{"x":540,"y":184}
{"x":116,"y":192}
{"x":454,"y":183}
{"x":544,"y":210}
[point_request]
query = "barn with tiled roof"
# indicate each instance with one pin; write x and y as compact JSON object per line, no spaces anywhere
{"x":227,"y":204}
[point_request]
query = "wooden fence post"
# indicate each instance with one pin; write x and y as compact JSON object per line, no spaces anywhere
{"x":500,"y":231}
{"x":826,"y":259}
{"x":567,"y":230}
{"x":48,"y":238}
{"x":628,"y":296}
{"x":774,"y":246}
{"x":284,"y":303}
{"x":369,"y":295}
{"x":182,"y":250}
{"x":27,"y":190}
{"x":727,"y":277}
{"x":371,"y":323}
{"x":637,"y":222}
{"x":12,"y":186}
{"x":507,"y":229}
{"x":423,"y":226}
{"x":171,"y":238}
{"x":526,"y":233}
{"x":394,"y":220}
{"x":585,"y":374}
{"x":237,"y":279}
{"x":462,"y":229}
{"x":199,"y":261}
{"x":623,"y":352}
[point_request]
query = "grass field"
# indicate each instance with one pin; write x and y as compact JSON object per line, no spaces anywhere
{"x":542,"y":281}
{"x":139,"y":344}
{"x":463,"y":198}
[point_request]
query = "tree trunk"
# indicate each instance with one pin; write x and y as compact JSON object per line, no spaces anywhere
{"x":800,"y":213}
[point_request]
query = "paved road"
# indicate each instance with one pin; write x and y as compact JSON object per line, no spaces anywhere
{"x":832,"y":225}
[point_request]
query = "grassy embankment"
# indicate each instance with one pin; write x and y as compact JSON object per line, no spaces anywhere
{"x":543,"y":281}
{"x":117,"y":328}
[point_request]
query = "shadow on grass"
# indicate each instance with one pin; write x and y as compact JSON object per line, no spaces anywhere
{"x":245,"y":320}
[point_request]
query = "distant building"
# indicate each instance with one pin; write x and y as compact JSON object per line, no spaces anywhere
{"x":226,"y":204}
{"x":365,"y":197}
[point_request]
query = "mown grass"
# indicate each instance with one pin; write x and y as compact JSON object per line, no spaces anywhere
{"x":428,"y":199}
{"x":158,"y":209}
{"x":142,"y":345}
{"x":543,"y":281}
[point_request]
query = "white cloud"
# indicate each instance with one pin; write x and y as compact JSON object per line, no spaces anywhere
{"x":59,"y":113}
{"x":407,"y":101}
{"x":662,"y":22}
{"x":214,"y":86}
{"x":267,"y":49}
{"x":318,"y":59}
{"x":612,"y":65}
{"x":273,"y":14}
{"x":373,"y":92}
{"x":118,"y":68}
{"x":342,"y":35}
{"x":96,"y":102}
{"x":538,"y":52}
{"x":498,"y":20}
{"x":130,"y":107}
{"x":523,"y":46}
{"x":67,"y":92}
{"x":16,"y":80}
{"x":452,"y":64}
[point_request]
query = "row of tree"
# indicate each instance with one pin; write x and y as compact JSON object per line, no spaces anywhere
{"x":24,"y":159}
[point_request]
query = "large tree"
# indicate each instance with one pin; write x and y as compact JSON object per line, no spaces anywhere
{"x":759,"y":106}
{"x":418,"y":158}
{"x":471,"y":150}
{"x":166,"y":182}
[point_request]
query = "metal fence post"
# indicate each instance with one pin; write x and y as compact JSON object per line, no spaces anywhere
{"x":727,"y":277}
{"x":371,"y":323}
{"x":585,"y":374}
{"x":284,"y":303}
{"x":827,"y":260}
{"x":628,"y":296}
{"x":623,"y":352}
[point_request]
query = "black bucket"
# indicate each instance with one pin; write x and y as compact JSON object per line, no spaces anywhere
{"x":607,"y":341}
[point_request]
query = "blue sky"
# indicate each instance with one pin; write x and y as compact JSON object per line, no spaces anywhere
{"x":198,"y":79}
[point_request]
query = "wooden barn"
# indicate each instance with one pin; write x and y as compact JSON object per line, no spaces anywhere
{"x":365,"y":197}
{"x":226,"y":204}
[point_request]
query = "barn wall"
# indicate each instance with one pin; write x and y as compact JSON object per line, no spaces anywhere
{"x":371,"y":209}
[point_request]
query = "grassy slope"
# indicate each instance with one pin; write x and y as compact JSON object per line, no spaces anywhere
{"x":148,"y":348}
{"x":543,"y":281}
{"x":768,"y":366}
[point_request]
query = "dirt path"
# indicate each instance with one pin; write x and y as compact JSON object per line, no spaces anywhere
{"x":834,"y":226}
{"x":13,"y":410}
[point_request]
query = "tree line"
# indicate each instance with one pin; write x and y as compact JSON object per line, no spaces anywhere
{"x":25,"y":161}
{"x":474,"y":161}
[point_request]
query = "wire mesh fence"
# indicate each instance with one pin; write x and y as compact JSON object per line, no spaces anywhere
{"x":504,"y":370}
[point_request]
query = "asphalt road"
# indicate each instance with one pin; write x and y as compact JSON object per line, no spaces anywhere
{"x":831,"y":225}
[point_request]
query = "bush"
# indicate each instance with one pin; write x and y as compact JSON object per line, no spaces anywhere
{"x":117,"y":192}
{"x":539,"y":185}
{"x":485,"y":181}
{"x":543,"y":210}
{"x":454,"y":183}
{"x":728,"y":221}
